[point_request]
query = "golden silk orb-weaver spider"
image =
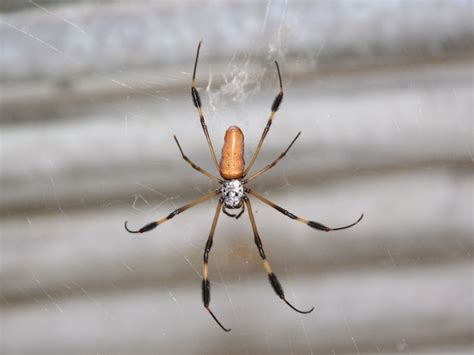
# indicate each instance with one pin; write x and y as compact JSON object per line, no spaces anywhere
{"x":234,"y":193}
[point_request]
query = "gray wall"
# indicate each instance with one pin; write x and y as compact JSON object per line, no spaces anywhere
{"x":91,"y":94}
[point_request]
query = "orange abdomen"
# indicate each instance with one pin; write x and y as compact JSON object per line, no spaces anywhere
{"x":232,"y":163}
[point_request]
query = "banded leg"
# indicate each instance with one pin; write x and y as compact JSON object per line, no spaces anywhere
{"x":271,"y":276}
{"x":154,"y":224}
{"x":194,"y":166}
{"x":206,"y":286}
{"x":275,"y":106}
{"x":197,"y":104}
{"x":271,"y":165}
{"x":312,"y":224}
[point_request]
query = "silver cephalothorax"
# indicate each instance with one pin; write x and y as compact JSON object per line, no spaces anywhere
{"x":232,"y":193}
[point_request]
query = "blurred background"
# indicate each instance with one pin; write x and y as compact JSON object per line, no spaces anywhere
{"x":91,"y":94}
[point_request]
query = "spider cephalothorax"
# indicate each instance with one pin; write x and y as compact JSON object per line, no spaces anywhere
{"x":234,"y":192}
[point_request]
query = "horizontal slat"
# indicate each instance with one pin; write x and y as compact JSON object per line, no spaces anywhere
{"x":396,"y":310}
{"x":366,"y":123}
{"x":93,"y":250}
{"x":68,"y":40}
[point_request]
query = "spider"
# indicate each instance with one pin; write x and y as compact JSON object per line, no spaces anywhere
{"x":233,"y":191}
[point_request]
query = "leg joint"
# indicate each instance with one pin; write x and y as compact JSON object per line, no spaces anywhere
{"x":206,"y":292}
{"x":174,"y":213}
{"x":196,"y":97}
{"x":207,"y":250}
{"x":276,"y":285}
{"x":319,"y":226}
{"x":277,"y":102}
{"x":285,"y":212}
{"x":148,"y":227}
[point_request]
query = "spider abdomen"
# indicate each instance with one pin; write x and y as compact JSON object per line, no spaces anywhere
{"x":232,"y":162}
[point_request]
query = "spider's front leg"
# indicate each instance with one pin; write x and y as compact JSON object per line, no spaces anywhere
{"x":276,"y":104}
{"x":197,"y":104}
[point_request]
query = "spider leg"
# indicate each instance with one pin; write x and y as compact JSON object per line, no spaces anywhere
{"x":154,"y":224}
{"x":241,"y":212}
{"x":194,"y":166}
{"x":227,"y":213}
{"x":312,"y":224}
{"x":276,"y":285}
{"x":206,"y":286}
{"x":275,"y":106}
{"x":197,"y":104}
{"x":236,"y":216}
{"x":272,"y":164}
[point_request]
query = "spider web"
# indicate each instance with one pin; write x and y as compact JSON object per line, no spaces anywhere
{"x":87,"y":143}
